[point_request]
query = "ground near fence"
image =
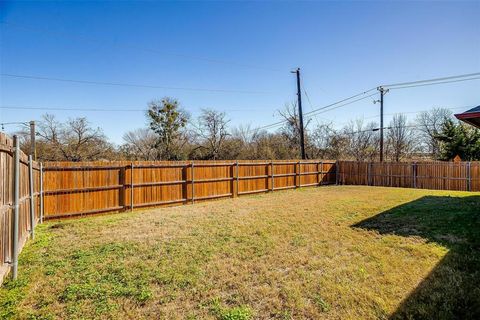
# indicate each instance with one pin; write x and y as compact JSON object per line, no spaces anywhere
{"x":336,"y":252}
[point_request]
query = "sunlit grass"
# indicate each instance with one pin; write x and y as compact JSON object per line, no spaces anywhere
{"x":309,"y":253}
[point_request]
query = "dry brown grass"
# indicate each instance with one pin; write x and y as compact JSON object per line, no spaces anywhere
{"x":310,"y":253}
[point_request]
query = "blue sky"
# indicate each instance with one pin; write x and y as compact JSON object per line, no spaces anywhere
{"x":342,"y":48}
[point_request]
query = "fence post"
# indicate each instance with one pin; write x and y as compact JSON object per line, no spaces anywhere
{"x":16,"y":198}
{"x":238,"y":172}
{"x":469,"y":176}
{"x":369,"y":174}
{"x":319,"y":172}
{"x":271,"y":176}
{"x":232,"y":183}
{"x":131,"y":186}
{"x":193,"y":182}
{"x":336,"y":172}
{"x":296,"y":175}
{"x":32,"y":197}
{"x":122,"y":191}
{"x":299,"y":174}
{"x":414,"y":173}
{"x":41,"y":193}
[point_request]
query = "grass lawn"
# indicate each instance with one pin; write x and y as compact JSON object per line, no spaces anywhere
{"x":331,"y":252}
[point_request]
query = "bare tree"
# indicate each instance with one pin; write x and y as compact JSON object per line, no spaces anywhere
{"x":140,"y":144}
{"x":273,"y":146}
{"x":291,"y":130}
{"x":212,"y":130}
{"x":245,"y":138}
{"x":321,"y":139}
{"x":430,"y":125}
{"x":400,"y":138}
{"x":74,"y":140}
{"x":362,"y":140}
{"x":245,"y":133}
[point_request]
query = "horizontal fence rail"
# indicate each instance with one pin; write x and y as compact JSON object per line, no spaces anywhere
{"x":71,"y":189}
{"x":460,"y":176}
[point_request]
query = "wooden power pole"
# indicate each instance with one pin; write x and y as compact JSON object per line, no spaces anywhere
{"x":382,"y":93}
{"x":300,"y":113}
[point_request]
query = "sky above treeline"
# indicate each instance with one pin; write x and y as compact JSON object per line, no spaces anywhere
{"x":231,"y":56}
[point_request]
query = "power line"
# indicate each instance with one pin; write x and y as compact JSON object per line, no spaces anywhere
{"x":414,"y":126}
{"x":434,"y":83}
{"x":351,"y":102}
{"x":70,"y":109}
{"x":323,"y":109}
{"x":180,"y":55}
{"x":404,"y":85}
{"x":316,"y":112}
{"x":127,"y":84}
{"x":311,"y":105}
{"x":343,"y":100}
{"x":100,"y":109}
{"x":408,"y":112}
{"x":432,"y":80}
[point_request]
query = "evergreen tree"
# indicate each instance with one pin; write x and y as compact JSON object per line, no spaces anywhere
{"x":168,"y":121}
{"x":459,"y":139}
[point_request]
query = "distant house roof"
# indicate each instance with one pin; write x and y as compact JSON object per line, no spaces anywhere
{"x":471,"y":116}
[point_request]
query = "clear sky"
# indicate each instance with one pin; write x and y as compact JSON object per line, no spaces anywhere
{"x":342,"y":48}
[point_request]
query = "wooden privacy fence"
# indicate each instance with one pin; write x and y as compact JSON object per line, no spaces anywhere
{"x":29,"y":191}
{"x":20,"y":202}
{"x":93,"y":187}
{"x":462,"y":176}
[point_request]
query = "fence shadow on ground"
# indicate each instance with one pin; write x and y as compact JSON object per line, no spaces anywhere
{"x":452,"y":289}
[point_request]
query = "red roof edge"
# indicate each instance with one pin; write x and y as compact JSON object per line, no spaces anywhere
{"x":467,"y":115}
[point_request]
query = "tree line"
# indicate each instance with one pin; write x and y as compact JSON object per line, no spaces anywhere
{"x":172,"y":134}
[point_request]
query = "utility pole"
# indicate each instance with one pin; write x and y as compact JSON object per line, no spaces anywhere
{"x":382,"y":93}
{"x":33,"y":151}
{"x":300,"y":113}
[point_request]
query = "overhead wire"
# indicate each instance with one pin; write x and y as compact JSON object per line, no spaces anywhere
{"x":330,"y":107}
{"x":431,"y":84}
{"x":127,"y":84}
{"x":408,"y":112}
{"x":401,"y":85}
{"x":387,"y":128}
{"x":100,"y":109}
{"x":180,"y":55}
{"x":311,"y":106}
{"x":432,"y":80}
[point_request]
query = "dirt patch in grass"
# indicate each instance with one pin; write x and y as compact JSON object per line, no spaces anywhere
{"x":330,"y":252}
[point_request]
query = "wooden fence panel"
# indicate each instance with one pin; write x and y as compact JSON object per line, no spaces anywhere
{"x":475,"y":176}
{"x":461,"y":176}
{"x":285,"y":175}
{"x":253,"y":177}
{"x":328,"y":173}
{"x":95,"y":187}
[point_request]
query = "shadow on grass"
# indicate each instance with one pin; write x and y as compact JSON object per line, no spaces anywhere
{"x":452,"y":289}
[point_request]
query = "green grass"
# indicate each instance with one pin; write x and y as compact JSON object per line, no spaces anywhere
{"x":330,"y":252}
